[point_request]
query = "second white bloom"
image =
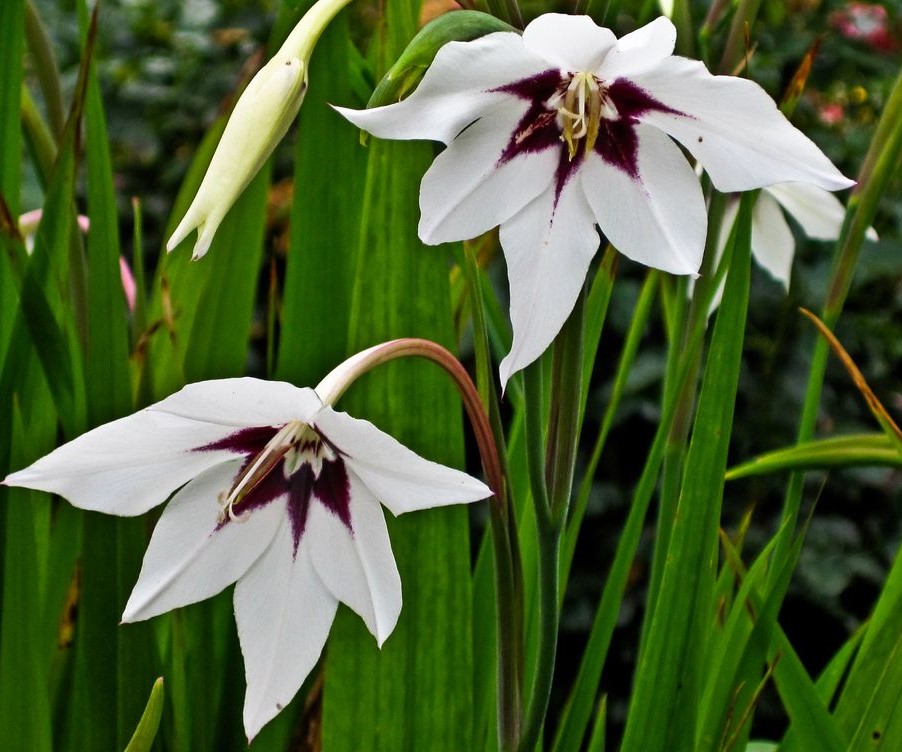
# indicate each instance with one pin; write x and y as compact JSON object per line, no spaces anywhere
{"x":567,"y":127}
{"x":275,"y":491}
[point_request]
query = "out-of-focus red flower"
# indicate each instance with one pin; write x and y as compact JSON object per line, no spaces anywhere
{"x":831,"y":113}
{"x":867,"y":23}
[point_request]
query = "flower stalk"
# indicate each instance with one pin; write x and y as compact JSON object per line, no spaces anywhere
{"x":507,"y":589}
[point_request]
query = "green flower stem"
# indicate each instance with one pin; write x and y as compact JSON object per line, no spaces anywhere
{"x":734,"y":50}
{"x":564,"y":423}
{"x":627,"y":358}
{"x":549,"y":536}
{"x":534,"y":430}
{"x":507,"y":598}
{"x":508,"y":574}
{"x":552,"y":485}
{"x":689,"y":322}
{"x":40,"y":139}
{"x":45,"y":66}
{"x":878,"y":169}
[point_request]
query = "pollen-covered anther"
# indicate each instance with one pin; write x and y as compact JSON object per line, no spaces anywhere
{"x":581,"y":109}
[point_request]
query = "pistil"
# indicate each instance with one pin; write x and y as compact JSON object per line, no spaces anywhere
{"x":295,"y":443}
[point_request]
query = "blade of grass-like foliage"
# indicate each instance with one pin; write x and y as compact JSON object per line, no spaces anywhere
{"x":11,"y":54}
{"x":420,"y":686}
{"x":805,"y":704}
{"x":664,"y":703}
{"x":828,"y":682}
{"x":597,"y":302}
{"x":869,"y":704}
{"x":217,"y":345}
{"x":627,"y":358}
{"x":879,"y":412}
{"x":25,"y":721}
{"x":577,"y":712}
{"x":325,"y":213}
{"x":816,"y":728}
{"x":736,"y":653}
{"x":838,"y":451}
{"x":113,"y":664}
{"x":109,"y":390}
{"x":597,"y":739}
{"x":146,"y":730}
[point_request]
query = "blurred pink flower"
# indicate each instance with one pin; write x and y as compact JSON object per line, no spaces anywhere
{"x":867,"y":23}
{"x":28,"y":226}
{"x":831,"y":113}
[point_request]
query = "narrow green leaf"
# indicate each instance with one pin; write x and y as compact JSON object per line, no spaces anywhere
{"x":665,"y":699}
{"x":12,"y":23}
{"x":109,"y":391}
{"x":577,"y":713}
{"x":25,"y":721}
{"x":146,"y":730}
{"x":420,"y":686}
{"x":217,"y":345}
{"x":870,"y":700}
{"x":839,"y":451}
{"x":597,"y":739}
{"x":325,"y":214}
{"x":828,"y":682}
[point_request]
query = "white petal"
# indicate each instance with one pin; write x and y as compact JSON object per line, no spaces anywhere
{"x":127,"y":466}
{"x":455,"y":91}
{"x":402,"y":480}
{"x":640,"y":50}
{"x":734,"y":129}
{"x":773,"y":245}
{"x":134,"y":463}
{"x":284,"y":614}
{"x":548,"y":249}
{"x":467,"y":190}
{"x":188,"y":558}
{"x":819,"y":212}
{"x":573,"y":43}
{"x":241,"y":402}
{"x":658,"y":220}
{"x":358,"y":568}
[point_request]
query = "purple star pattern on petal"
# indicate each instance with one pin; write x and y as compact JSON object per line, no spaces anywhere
{"x":328,"y":485}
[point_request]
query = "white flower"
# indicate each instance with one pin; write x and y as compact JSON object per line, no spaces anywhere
{"x":819,"y":213}
{"x":567,"y":126}
{"x":275,"y":491}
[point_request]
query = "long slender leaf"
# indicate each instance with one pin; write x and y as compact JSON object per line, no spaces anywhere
{"x":665,"y":698}
{"x":325,"y":213}
{"x":146,"y":730}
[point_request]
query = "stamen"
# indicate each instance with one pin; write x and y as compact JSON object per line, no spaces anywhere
{"x":581,"y":111}
{"x":262,"y":464}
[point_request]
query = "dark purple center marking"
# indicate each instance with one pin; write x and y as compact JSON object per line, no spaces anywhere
{"x":330,"y":488}
{"x":540,"y":128}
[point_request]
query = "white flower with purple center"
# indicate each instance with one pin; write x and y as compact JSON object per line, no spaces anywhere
{"x":566,"y":127}
{"x":274,"y":491}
